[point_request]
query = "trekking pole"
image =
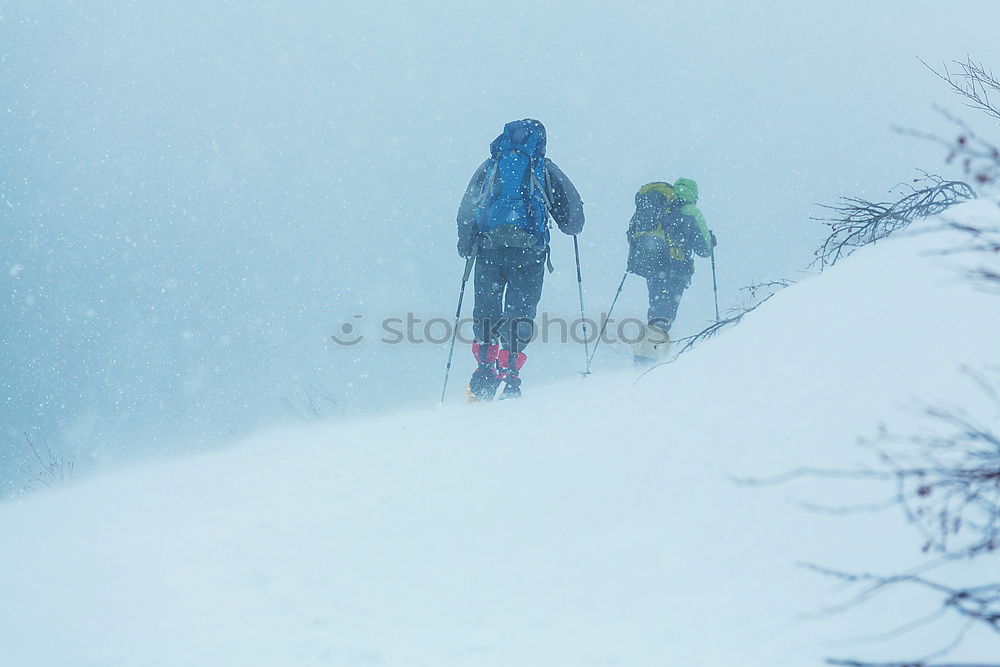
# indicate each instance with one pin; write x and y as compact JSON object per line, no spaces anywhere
{"x":715,"y":286}
{"x":458,"y":314}
{"x":607,"y":317}
{"x":583,"y":317}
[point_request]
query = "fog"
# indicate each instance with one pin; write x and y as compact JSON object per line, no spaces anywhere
{"x":195,"y":195}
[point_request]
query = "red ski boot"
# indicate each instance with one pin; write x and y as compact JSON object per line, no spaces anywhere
{"x":509,"y":375}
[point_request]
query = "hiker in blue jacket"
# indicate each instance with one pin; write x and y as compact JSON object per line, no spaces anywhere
{"x":503,"y":221}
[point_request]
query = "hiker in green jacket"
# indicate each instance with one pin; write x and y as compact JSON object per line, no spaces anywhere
{"x":665,"y":230}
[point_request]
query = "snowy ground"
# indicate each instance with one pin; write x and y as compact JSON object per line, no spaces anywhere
{"x":591,"y":523}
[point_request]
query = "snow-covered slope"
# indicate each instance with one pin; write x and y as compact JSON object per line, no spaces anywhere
{"x":591,"y":523}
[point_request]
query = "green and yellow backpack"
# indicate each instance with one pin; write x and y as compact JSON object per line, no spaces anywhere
{"x":665,"y":211}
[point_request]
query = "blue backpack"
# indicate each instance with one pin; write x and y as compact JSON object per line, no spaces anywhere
{"x":513,"y":205}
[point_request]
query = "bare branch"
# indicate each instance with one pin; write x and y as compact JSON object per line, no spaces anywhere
{"x":312,"y":403}
{"x":858,"y":663}
{"x":984,"y":241}
{"x":979,"y":157}
{"x":753,"y":293}
{"x":800,"y":473}
{"x":857,"y":222}
{"x":44,"y":468}
{"x":978,"y":605}
{"x":973,"y":82}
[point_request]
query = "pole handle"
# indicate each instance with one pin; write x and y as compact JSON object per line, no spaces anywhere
{"x":469,"y":261}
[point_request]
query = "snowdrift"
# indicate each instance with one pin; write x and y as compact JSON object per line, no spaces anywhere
{"x":591,"y":523}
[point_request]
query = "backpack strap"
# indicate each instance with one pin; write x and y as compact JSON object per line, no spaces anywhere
{"x":547,"y":201}
{"x":541,"y":187}
{"x":489,"y":180}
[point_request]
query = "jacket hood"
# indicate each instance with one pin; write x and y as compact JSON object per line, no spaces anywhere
{"x":687,"y":190}
{"x":528,"y":132}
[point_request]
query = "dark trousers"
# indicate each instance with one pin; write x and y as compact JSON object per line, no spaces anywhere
{"x":665,"y":290}
{"x":508,"y":286}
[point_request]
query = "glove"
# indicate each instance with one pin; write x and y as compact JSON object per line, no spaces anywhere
{"x":715,"y":241}
{"x":465,"y":249}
